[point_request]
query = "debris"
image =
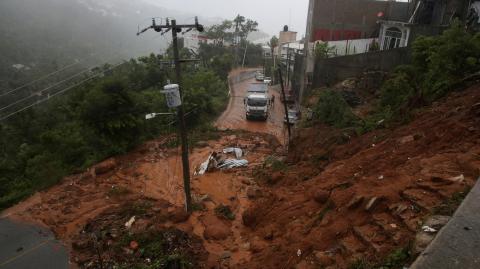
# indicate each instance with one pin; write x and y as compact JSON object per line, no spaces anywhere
{"x":459,"y":179}
{"x":320,"y":196}
{"x":372,"y":203}
{"x":253,"y":192}
{"x":204,"y":166}
{"x":428,"y":229}
{"x":355,"y":202}
{"x":407,"y":139}
{"x":299,"y":253}
{"x":380,"y":177}
{"x":133,"y":245}
{"x":437,"y":221}
{"x":129,"y":223}
{"x":226,"y":255}
{"x":237,"y":151}
{"x":232,"y":163}
{"x":422,"y":240}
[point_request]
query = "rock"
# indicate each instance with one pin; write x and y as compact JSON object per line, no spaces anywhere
{"x":82,"y":244}
{"x":407,"y":139}
{"x":105,"y":166}
{"x":179,"y":215}
{"x":372,"y":203}
{"x":246,"y":181}
{"x":422,"y":240}
{"x":276,"y":177}
{"x":140,"y":225}
{"x":202,"y":144}
{"x":225,"y":255}
{"x":320,"y":196}
{"x":215,"y":229}
{"x":355,"y":202}
{"x":246,"y":246}
{"x":437,"y":221}
{"x":268,"y":235}
{"x":249,"y":218}
{"x":253,"y":192}
{"x":323,"y":258}
{"x":257,"y":245}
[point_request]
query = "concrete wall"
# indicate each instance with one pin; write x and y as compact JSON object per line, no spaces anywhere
{"x":332,"y":70}
{"x":349,"y":47}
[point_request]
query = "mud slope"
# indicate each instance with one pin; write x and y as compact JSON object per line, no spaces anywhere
{"x":367,"y":197}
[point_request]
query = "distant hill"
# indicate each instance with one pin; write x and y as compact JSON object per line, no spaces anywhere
{"x":38,"y":37}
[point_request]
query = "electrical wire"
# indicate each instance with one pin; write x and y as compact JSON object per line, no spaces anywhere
{"x":43,"y":90}
{"x":39,"y":79}
{"x":60,"y":92}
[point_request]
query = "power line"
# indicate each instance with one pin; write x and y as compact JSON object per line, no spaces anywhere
{"x":57,"y":93}
{"x":43,"y":90}
{"x":39,"y":79}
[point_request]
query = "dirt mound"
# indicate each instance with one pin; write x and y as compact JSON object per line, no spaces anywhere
{"x":381,"y":186}
{"x":137,"y":235}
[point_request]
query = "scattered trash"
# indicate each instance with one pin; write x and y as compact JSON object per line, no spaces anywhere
{"x":232,"y":163}
{"x":217,"y":160}
{"x":428,"y":229}
{"x":299,"y":253}
{"x":204,"y":166}
{"x":380,"y":177}
{"x":133,"y":245}
{"x":237,"y":151}
{"x":459,"y":179}
{"x":129,"y":223}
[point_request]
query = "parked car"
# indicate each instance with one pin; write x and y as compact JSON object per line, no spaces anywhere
{"x":267,"y":80}
{"x":259,"y":76}
{"x":293,"y":117}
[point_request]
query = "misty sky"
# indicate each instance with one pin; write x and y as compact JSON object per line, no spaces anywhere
{"x":272,"y":15}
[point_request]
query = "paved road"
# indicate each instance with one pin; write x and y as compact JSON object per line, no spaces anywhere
{"x":234,"y":116}
{"x":457,"y":245}
{"x":24,"y":246}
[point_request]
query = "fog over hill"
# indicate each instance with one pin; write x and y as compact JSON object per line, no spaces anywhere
{"x":40,"y":36}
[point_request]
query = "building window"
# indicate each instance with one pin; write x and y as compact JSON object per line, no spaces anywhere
{"x":392,"y":39}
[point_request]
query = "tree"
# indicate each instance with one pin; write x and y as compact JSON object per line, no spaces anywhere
{"x":273,"y":43}
{"x":323,"y":50}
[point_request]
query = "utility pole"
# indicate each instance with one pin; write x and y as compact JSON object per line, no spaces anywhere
{"x":284,"y":102}
{"x":175,"y":29}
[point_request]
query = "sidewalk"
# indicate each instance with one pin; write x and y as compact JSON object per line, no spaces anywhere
{"x":457,"y":245}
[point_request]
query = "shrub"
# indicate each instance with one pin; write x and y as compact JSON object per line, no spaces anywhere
{"x":333,"y":110}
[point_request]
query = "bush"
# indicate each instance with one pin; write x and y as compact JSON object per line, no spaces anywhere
{"x":333,"y":110}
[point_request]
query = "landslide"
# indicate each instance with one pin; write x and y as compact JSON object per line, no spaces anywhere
{"x":345,"y":201}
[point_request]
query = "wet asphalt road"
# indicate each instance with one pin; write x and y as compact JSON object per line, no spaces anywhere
{"x":24,"y":246}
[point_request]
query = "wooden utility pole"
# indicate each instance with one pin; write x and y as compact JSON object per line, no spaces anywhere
{"x":181,"y":114}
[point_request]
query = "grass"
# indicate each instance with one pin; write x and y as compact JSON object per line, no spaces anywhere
{"x":275,"y":164}
{"x":224,"y":211}
{"x":118,"y":191}
{"x":397,"y":259}
{"x":449,"y":206}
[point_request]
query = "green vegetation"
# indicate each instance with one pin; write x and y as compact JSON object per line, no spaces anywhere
{"x":332,"y":109}
{"x":224,"y":211}
{"x":397,"y":259}
{"x":101,"y":118}
{"x":439,"y":64}
{"x":323,"y":50}
{"x":163,"y":249}
{"x":450,"y":205}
